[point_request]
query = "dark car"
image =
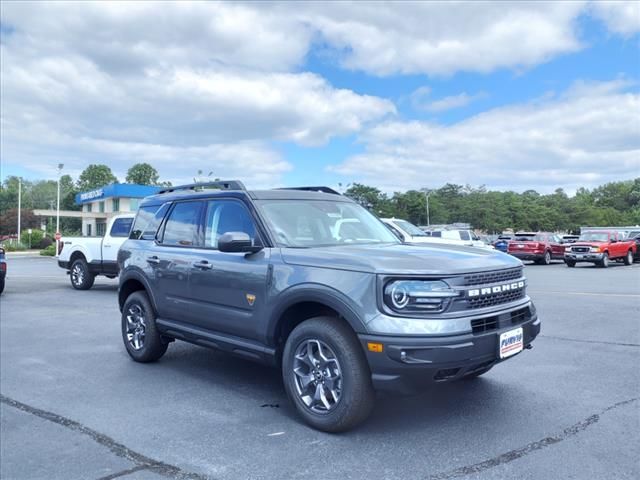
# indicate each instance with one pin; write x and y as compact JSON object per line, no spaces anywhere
{"x":3,"y":269}
{"x":502,"y":242}
{"x":635,"y":236}
{"x":314,"y":284}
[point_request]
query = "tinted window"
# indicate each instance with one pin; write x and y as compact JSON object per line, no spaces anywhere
{"x":464,"y":235}
{"x":121,"y":227}
{"x":182,"y":225}
{"x":147,"y":222}
{"x":436,"y":234}
{"x":225,"y":216}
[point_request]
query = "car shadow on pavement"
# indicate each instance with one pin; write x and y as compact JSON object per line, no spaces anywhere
{"x":436,"y":408}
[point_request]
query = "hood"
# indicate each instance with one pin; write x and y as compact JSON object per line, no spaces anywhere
{"x":402,"y":259}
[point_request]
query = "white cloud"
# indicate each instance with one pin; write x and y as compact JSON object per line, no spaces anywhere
{"x":621,"y":17}
{"x":171,"y":82}
{"x":420,"y":100}
{"x":589,"y":135}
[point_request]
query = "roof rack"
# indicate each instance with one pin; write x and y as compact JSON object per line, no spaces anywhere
{"x":220,"y":185}
{"x":312,"y":189}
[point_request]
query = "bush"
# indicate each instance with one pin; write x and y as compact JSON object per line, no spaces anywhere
{"x":45,"y":242}
{"x":36,"y":237}
{"x":50,"y":251}
{"x":14,"y":247}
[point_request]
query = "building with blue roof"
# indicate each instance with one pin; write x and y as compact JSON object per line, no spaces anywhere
{"x":99,"y":205}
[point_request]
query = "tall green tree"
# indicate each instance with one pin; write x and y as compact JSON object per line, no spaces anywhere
{"x":95,"y":176}
{"x":142,"y":174}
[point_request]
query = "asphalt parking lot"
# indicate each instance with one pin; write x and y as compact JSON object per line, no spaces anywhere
{"x":74,"y":406}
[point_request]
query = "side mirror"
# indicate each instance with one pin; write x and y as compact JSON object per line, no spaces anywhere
{"x":237,"y":242}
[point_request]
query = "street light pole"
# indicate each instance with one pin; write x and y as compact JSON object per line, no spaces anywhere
{"x":60,"y":167}
{"x":19,"y":205}
{"x":427,"y":193}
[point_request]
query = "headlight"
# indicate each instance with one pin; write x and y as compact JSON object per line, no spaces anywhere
{"x":594,"y":249}
{"x":567,"y":249}
{"x":405,"y":296}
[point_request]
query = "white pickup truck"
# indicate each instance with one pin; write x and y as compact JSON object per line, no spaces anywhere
{"x":85,"y":257}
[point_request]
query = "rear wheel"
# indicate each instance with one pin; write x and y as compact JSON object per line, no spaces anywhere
{"x":326,"y":375}
{"x":628,"y":260}
{"x":139,"y":332}
{"x":80,"y":276}
{"x":546,"y":260}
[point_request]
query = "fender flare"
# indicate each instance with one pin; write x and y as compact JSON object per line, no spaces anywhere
{"x":139,"y":277}
{"x":313,"y":292}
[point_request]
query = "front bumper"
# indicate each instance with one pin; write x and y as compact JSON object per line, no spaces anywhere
{"x":409,"y":364}
{"x":584,"y":257}
{"x":64,"y":265}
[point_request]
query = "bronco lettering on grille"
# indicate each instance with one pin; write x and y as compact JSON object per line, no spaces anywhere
{"x":505,"y":287}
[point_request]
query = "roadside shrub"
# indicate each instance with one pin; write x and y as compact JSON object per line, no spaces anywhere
{"x":36,"y":237}
{"x":14,"y":247}
{"x":50,"y":251}
{"x":45,"y":242}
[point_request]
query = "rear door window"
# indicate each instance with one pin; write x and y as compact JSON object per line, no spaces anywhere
{"x":121,"y":227}
{"x":182,"y":227}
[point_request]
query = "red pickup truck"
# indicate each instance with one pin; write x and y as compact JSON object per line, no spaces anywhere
{"x":600,"y":247}
{"x":541,"y":247}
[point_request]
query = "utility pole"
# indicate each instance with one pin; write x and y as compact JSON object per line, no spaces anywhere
{"x":19,"y":204}
{"x":60,"y":167}
{"x":427,"y":193}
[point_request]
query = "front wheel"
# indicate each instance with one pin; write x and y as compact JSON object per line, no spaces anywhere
{"x":604,"y":263}
{"x":80,"y":276}
{"x":570,"y":263}
{"x":628,"y":260}
{"x":139,"y":331}
{"x":326,"y":375}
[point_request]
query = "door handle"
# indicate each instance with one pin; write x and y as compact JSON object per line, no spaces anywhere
{"x":107,"y":246}
{"x":203,"y":265}
{"x":153,"y":260}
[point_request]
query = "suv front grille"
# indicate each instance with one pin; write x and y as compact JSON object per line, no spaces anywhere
{"x":580,"y":249}
{"x":495,"y":299}
{"x":481,"y":325}
{"x":493,"y":277}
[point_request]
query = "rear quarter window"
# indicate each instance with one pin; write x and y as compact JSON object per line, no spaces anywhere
{"x":121,"y":227}
{"x":147,"y":222}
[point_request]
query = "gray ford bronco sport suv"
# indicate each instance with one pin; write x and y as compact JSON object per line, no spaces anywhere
{"x":309,"y":281}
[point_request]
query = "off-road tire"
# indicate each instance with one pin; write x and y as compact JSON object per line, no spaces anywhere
{"x":80,"y":276}
{"x":154,"y":346}
{"x":357,"y":396}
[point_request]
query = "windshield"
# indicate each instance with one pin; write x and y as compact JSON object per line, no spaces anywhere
{"x":410,"y":228}
{"x":594,"y":237}
{"x":322,"y":223}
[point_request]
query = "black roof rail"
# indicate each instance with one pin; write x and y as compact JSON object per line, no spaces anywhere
{"x":312,"y":189}
{"x":220,"y":185}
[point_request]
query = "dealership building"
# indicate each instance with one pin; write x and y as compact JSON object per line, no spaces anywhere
{"x":99,"y":205}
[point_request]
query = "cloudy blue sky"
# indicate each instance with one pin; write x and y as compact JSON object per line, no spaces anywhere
{"x":397,"y":95}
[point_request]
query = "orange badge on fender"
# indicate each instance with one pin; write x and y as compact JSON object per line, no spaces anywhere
{"x":251,"y":299}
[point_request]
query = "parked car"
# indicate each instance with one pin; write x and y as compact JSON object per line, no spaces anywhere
{"x":540,"y":247}
{"x":466,"y":236}
{"x":3,"y":269}
{"x":502,"y":243}
{"x":86,"y":257}
{"x":600,"y":247}
{"x":409,"y":233}
{"x":635,"y":236}
{"x":570,"y":238}
{"x":342,"y":312}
